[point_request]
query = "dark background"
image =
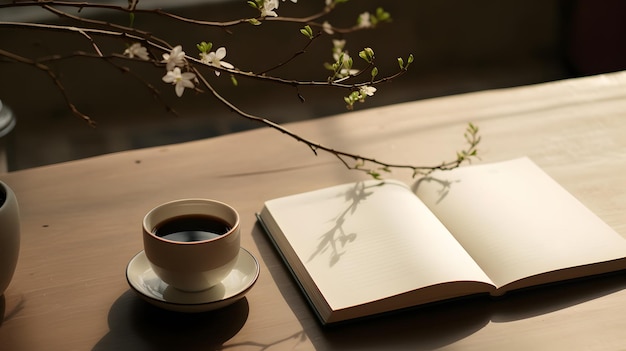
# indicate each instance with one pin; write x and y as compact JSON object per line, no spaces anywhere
{"x":459,"y":47}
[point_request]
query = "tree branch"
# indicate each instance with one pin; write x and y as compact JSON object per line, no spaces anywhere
{"x":54,"y":79}
{"x":359,"y":162}
{"x":91,"y":29}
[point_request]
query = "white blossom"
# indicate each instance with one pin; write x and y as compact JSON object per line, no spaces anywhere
{"x":214,"y":58}
{"x":176,"y":58}
{"x":338,"y":45}
{"x":137,"y":50}
{"x":268,"y":8}
{"x":180,"y":80}
{"x":347,"y":70}
{"x":367,"y":90}
{"x":364,"y":20}
{"x":340,"y":54}
{"x":327,"y":27}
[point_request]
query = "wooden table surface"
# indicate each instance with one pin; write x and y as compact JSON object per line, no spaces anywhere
{"x":81,"y":224}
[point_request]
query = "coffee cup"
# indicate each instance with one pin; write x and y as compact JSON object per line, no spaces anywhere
{"x":192,"y":244}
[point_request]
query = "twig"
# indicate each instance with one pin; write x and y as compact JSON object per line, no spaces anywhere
{"x":219,"y":24}
{"x":55,"y":80}
{"x":467,"y":154}
{"x":91,"y":28}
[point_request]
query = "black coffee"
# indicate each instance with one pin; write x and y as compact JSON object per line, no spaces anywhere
{"x":191,"y":228}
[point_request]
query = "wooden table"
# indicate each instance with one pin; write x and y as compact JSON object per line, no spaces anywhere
{"x":81,"y":224}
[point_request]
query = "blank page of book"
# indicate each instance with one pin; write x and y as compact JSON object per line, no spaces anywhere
{"x":365,"y":242}
{"x":517,"y":222}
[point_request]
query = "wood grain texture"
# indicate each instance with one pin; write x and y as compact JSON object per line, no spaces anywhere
{"x":81,"y":224}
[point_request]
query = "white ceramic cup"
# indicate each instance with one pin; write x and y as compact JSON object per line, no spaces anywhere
{"x":9,"y":235}
{"x":192,"y":265}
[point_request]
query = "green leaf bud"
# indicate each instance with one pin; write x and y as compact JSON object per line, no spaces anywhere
{"x":307,"y":31}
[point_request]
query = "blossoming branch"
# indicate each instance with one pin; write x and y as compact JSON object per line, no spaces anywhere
{"x":185,"y":68}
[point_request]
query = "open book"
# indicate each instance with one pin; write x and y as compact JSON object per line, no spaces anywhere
{"x":365,"y":248}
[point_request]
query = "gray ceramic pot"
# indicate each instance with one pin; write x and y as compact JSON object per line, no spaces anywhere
{"x":9,"y":235}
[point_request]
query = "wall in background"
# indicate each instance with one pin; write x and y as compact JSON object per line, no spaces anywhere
{"x":459,"y":47}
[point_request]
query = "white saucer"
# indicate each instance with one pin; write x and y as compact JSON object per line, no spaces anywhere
{"x":148,"y":286}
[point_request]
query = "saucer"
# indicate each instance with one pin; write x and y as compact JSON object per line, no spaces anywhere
{"x":148,"y":286}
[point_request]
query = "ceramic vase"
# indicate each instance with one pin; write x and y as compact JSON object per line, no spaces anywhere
{"x":9,"y":235}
